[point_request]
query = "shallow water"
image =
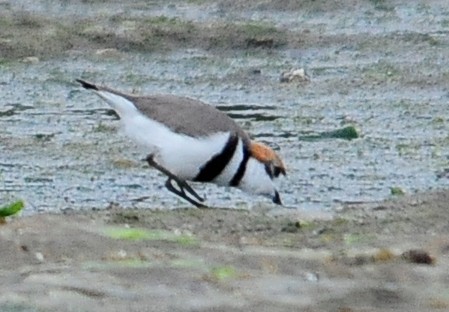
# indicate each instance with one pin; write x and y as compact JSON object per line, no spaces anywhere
{"x":61,"y":147}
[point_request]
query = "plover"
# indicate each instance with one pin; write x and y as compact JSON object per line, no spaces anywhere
{"x":188,"y":140}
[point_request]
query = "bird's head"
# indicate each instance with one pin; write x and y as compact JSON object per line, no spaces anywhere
{"x":266,"y":155}
{"x":263,"y":166}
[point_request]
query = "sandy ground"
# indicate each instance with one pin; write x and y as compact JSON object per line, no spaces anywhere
{"x":390,"y":256}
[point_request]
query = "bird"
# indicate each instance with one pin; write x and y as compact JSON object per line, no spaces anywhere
{"x":191,"y":141}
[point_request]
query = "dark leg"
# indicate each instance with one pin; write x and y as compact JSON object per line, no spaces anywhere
{"x":183,"y":186}
{"x":182,"y":194}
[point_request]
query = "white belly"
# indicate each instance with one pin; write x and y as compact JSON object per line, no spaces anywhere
{"x":182,"y":155}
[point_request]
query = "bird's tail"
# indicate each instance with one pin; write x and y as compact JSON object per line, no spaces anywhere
{"x":87,"y":85}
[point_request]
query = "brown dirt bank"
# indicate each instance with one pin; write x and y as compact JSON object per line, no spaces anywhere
{"x":26,"y":33}
{"x":362,"y":259}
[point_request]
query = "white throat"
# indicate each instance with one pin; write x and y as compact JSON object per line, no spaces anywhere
{"x":256,"y":180}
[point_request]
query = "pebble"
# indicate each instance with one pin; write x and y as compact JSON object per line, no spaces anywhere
{"x":298,"y":75}
{"x":31,"y":60}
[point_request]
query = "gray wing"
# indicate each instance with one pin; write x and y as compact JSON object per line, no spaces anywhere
{"x":181,"y":114}
{"x":188,"y":116}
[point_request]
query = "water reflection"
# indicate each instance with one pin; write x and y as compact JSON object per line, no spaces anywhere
{"x":283,"y":134}
{"x":245,"y":107}
{"x":15,"y":108}
{"x":96,"y":111}
{"x":250,"y":112}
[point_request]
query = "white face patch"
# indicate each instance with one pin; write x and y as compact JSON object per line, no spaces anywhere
{"x":256,"y":180}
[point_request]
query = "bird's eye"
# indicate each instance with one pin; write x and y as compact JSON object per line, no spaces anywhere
{"x":276,"y":171}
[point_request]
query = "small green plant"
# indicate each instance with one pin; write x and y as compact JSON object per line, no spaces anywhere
{"x":223,"y":272}
{"x":11,"y":209}
{"x":397,"y":191}
{"x":346,"y":133}
{"x":136,"y":234}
